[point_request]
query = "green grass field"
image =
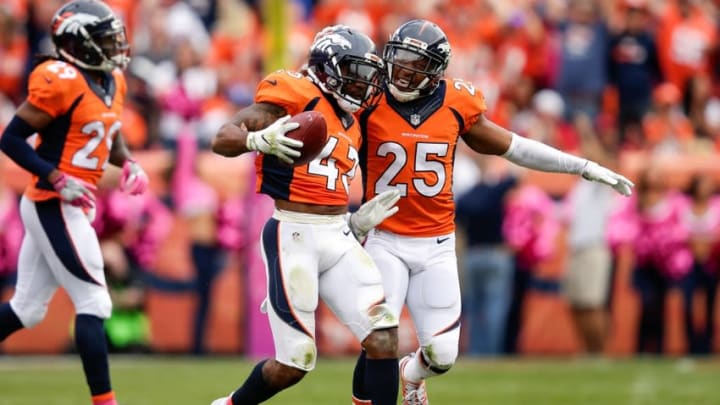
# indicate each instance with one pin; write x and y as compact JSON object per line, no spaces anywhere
{"x":180,"y":381}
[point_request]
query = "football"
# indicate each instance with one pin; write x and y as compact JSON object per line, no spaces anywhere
{"x":312,"y":132}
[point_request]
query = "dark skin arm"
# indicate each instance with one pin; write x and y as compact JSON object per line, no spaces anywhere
{"x":231,"y":138}
{"x":487,"y":137}
{"x":119,"y":152}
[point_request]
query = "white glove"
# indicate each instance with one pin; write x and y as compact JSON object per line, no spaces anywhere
{"x":594,"y":172}
{"x":75,"y":191}
{"x":373,"y":212}
{"x":272,"y":140}
{"x":133,"y":180}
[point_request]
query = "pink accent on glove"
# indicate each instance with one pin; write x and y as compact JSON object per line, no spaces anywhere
{"x":133,"y":181}
{"x":74,"y":191}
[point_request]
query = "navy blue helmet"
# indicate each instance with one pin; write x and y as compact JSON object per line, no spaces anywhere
{"x":87,"y":34}
{"x":416,"y":56}
{"x":344,"y":63}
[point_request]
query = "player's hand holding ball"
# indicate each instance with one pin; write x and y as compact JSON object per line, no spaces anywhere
{"x":75,"y":191}
{"x":272,"y":140}
{"x":133,"y":180}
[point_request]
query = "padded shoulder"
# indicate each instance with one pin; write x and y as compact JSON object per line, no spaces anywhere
{"x":466,"y":100}
{"x":288,"y":89}
{"x":51,"y":85}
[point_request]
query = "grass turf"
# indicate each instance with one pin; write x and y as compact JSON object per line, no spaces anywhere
{"x":155,"y":380}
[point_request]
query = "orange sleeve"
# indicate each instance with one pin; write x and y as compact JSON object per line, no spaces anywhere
{"x":285,"y":89}
{"x":46,"y":90}
{"x":467,"y":100}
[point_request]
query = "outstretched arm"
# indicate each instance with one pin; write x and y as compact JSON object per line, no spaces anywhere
{"x":489,"y":138}
{"x":260,"y":127}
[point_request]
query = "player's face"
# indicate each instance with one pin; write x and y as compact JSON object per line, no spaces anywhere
{"x":408,"y":69}
{"x":114,"y":46}
{"x":361,"y":82}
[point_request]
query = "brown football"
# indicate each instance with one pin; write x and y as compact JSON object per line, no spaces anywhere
{"x":312,"y":132}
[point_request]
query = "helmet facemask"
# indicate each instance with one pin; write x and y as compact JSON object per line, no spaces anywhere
{"x":353,"y":80}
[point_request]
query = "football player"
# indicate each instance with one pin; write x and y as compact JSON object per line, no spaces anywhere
{"x":74,"y":104}
{"x":410,"y":138}
{"x":308,"y":245}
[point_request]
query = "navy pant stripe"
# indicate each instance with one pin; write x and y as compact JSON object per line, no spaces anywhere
{"x":277,"y":296}
{"x":53,"y":224}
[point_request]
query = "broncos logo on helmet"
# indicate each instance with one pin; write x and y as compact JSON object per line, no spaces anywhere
{"x":416,"y":56}
{"x":87,"y":34}
{"x":343,"y":62}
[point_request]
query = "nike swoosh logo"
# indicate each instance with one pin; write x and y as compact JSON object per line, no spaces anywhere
{"x":441,"y":240}
{"x":346,"y":233}
{"x":272,"y":81}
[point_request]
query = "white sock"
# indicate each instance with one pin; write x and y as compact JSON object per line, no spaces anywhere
{"x":415,"y":370}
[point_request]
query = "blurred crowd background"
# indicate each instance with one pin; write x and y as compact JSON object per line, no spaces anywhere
{"x":549,"y":264}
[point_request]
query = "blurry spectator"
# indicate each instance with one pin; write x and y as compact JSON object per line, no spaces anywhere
{"x":139,"y":115}
{"x":711,"y":123}
{"x":197,"y":203}
{"x":702,"y":218}
{"x":649,"y":223}
{"x":512,"y":99}
{"x":182,"y":100}
{"x":184,"y":24}
{"x":587,"y":278}
{"x":527,"y":48}
{"x":488,"y":262}
{"x":207,"y":10}
{"x":582,"y":76}
{"x":545,"y":122}
{"x":633,"y":65}
{"x":40,"y":13}
{"x":128,"y":329}
{"x":11,"y":235}
{"x":236,"y":60}
{"x":530,"y":229}
{"x":685,"y":37}
{"x":7,"y":110}
{"x":667,"y":129}
{"x":698,"y":95}
{"x":14,"y":54}
{"x":130,"y":229}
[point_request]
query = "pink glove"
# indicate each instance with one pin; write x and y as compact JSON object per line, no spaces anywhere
{"x":133,"y":181}
{"x":75,"y":191}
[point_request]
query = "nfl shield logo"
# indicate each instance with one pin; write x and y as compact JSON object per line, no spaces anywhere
{"x":415,"y":119}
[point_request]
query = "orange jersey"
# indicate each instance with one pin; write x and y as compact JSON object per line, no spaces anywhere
{"x":325,"y":180}
{"x":411,"y":146}
{"x":86,"y":121}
